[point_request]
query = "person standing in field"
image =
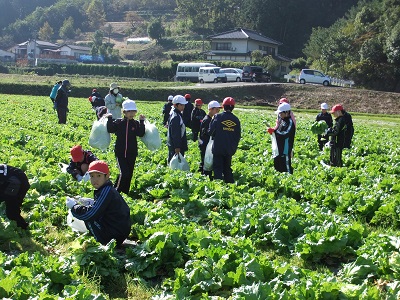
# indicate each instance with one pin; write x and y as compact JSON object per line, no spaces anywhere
{"x":341,"y":134}
{"x":213,"y":109}
{"x":113,"y":101}
{"x":225,"y":129}
{"x":196,"y":118}
{"x":53,"y":93}
{"x":126,"y":149}
{"x":166,"y":110}
{"x":284,"y":132}
{"x":109,"y":216}
{"x":176,"y":135}
{"x":324,"y":115}
{"x":61,"y":101}
{"x":186,"y":114}
{"x":14,"y":185}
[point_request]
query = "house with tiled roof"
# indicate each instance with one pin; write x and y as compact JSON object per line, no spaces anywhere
{"x":75,"y":50}
{"x":238,"y":44}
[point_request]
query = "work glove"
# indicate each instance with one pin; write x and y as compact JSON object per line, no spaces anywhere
{"x":86,"y":177}
{"x":70,"y":202}
{"x":79,"y":177}
{"x":270,"y":130}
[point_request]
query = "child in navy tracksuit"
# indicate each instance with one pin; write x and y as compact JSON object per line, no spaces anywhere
{"x":127,"y":130}
{"x":324,"y":115}
{"x":108,"y":217}
{"x":226,"y":131}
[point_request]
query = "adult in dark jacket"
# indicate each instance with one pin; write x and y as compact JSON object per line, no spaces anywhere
{"x":196,"y":118}
{"x":126,"y":150}
{"x":96,"y":99}
{"x":53,"y":93}
{"x":187,"y":112}
{"x":204,"y":138}
{"x":13,"y":187}
{"x":109,"y":216}
{"x":176,"y":135}
{"x":284,"y":132}
{"x":341,"y":134}
{"x":324,"y":115}
{"x":166,"y":110}
{"x":80,"y":160}
{"x":61,"y":101}
{"x":226,"y":131}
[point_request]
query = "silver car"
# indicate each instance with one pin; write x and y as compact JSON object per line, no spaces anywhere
{"x":232,"y":74}
{"x":314,"y":76}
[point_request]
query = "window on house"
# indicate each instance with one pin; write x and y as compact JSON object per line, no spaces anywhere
{"x":223,"y":46}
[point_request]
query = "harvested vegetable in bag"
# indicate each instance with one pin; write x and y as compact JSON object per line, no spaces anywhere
{"x":178,"y":162}
{"x":209,"y":157}
{"x":99,"y":136}
{"x":151,"y":136}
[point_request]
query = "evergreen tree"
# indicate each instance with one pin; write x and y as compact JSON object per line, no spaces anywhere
{"x":67,"y":30}
{"x":46,"y":32}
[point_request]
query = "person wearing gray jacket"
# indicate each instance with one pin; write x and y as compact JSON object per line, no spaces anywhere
{"x":113,"y":101}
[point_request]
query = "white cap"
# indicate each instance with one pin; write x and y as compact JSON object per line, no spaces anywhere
{"x":170,"y":98}
{"x":129,"y":105}
{"x":179,"y":99}
{"x":283,"y":107}
{"x":213,"y":104}
{"x":324,"y":106}
{"x":113,"y":86}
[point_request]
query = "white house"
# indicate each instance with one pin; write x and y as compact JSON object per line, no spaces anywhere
{"x":238,"y":44}
{"x":32,"y":49}
{"x":74,"y":50}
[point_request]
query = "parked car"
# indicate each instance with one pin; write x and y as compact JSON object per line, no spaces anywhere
{"x":314,"y":76}
{"x":211,"y":74}
{"x":232,"y":74}
{"x":255,"y":73}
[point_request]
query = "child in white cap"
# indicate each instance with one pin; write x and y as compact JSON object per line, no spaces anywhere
{"x":324,"y":115}
{"x":127,"y":130}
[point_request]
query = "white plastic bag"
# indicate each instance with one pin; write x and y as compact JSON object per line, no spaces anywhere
{"x":178,"y":162}
{"x":208,"y":157}
{"x":275,"y":150}
{"x":151,"y":136}
{"x":76,"y":224}
{"x":99,"y":136}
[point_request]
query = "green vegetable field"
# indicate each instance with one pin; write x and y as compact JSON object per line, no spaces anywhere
{"x":321,"y":233}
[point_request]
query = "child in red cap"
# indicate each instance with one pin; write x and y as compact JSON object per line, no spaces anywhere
{"x":108,"y":217}
{"x":80,"y":160}
{"x":196,"y":117}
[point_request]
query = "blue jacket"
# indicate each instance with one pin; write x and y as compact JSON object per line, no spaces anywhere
{"x":226,"y":130}
{"x":108,"y":217}
{"x":176,"y":135}
{"x":53,"y":93}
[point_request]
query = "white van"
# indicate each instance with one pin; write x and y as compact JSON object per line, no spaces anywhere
{"x":211,"y":74}
{"x":190,"y":71}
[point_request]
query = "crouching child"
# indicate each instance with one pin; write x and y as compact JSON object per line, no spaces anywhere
{"x":109,"y":216}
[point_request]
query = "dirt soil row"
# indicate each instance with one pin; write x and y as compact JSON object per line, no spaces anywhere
{"x":311,"y":96}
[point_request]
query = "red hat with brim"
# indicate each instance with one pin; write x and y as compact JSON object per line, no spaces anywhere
{"x":337,"y":107}
{"x":99,"y":166}
{"x":76,"y":153}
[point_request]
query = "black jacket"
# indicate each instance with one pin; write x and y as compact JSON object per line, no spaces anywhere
{"x":204,"y":131}
{"x":166,"y":110}
{"x":108,"y":217}
{"x":226,"y":130}
{"x":196,"y":118}
{"x":126,"y":132}
{"x":285,"y":135}
{"x":176,"y":135}
{"x":62,"y":97}
{"x":74,"y":168}
{"x":327,"y":117}
{"x":187,"y":112}
{"x":342,"y":132}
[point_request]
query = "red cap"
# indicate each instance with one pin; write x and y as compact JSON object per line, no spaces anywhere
{"x":283,"y":100}
{"x":228,"y":101}
{"x":76,"y":153}
{"x":198,"y":102}
{"x":99,"y":166}
{"x":94,"y":91}
{"x":187,"y":96}
{"x":337,"y":107}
